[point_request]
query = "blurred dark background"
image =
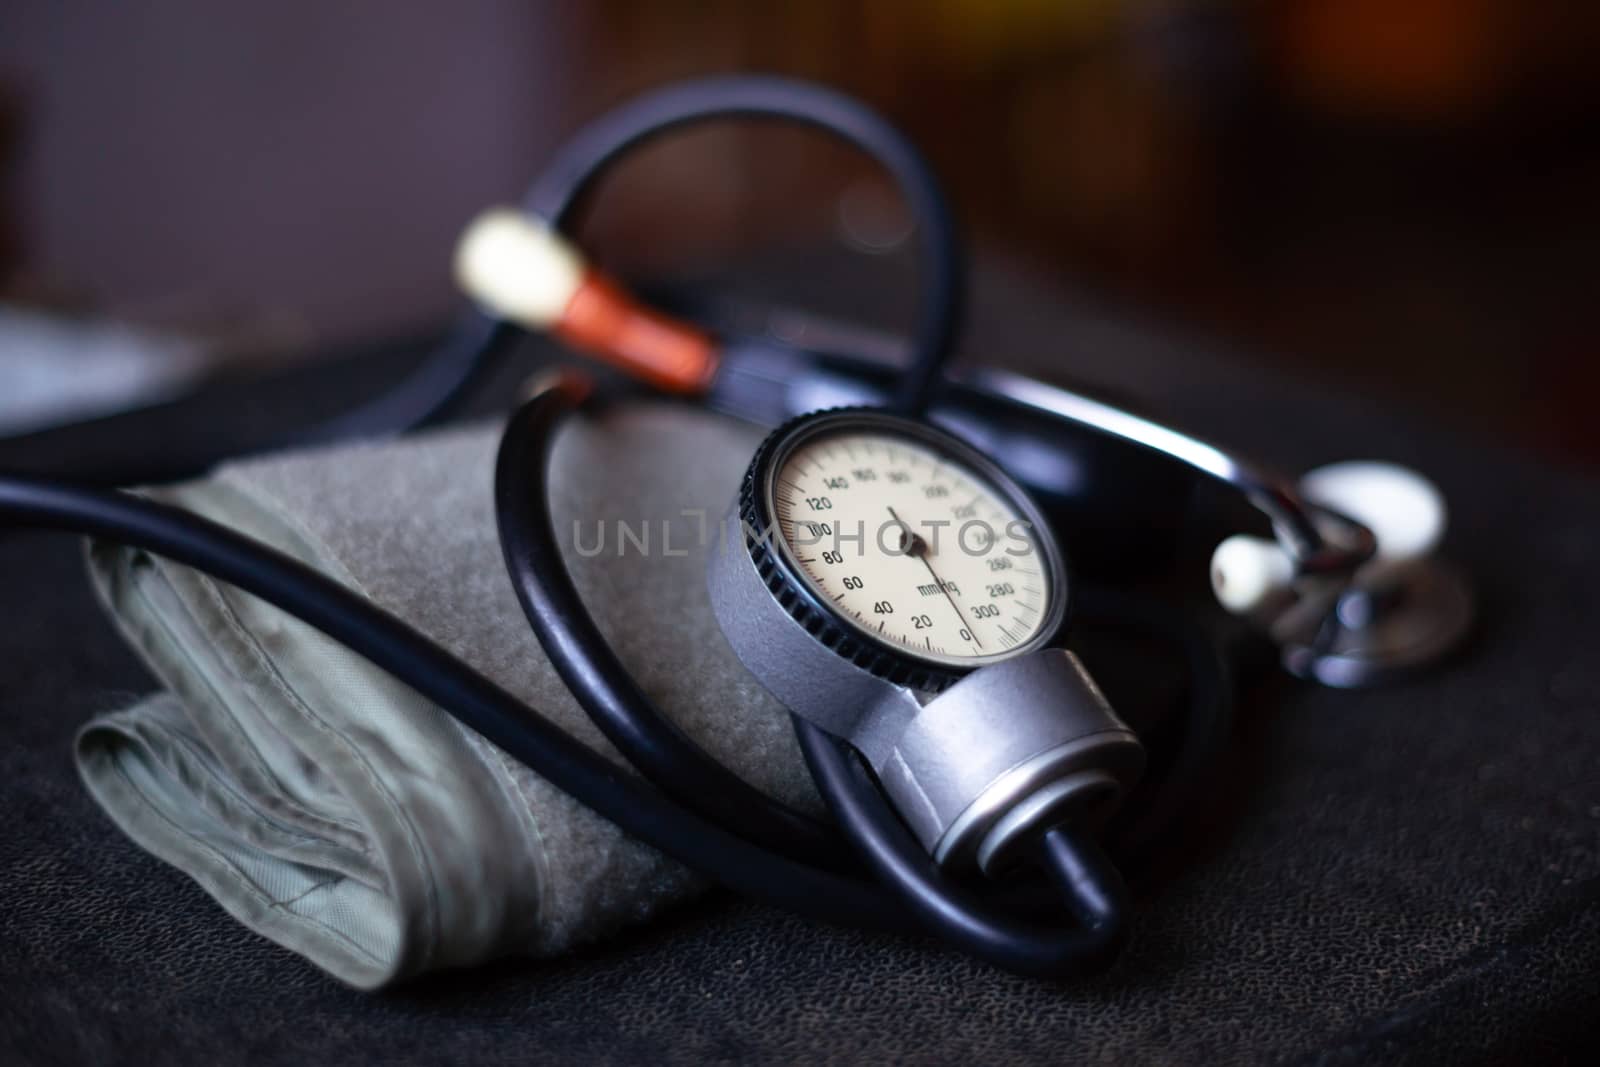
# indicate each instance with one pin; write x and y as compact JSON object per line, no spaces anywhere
{"x":1395,"y":197}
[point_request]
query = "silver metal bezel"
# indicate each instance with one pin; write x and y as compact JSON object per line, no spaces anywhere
{"x":957,"y":451}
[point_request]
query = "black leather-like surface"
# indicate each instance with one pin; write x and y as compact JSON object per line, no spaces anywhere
{"x":1410,"y":873}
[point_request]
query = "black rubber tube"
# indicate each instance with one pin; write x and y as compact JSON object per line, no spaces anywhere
{"x":588,"y":665}
{"x":942,"y":288}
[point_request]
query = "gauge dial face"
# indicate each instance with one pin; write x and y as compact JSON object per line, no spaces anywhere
{"x":914,"y":545}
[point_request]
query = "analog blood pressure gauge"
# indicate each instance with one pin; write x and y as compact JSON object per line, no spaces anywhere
{"x":891,"y":584}
{"x":910,"y":543}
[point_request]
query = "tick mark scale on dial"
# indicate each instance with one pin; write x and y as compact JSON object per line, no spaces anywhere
{"x":942,"y":584}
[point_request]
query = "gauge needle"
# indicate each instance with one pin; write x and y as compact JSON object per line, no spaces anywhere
{"x":914,"y":545}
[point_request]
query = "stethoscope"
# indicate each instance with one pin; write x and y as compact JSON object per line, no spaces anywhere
{"x":886,"y":575}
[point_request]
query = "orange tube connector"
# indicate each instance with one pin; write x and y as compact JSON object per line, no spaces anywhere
{"x":606,"y":321}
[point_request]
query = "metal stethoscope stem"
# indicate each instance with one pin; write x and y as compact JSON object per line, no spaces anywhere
{"x":1294,"y":520}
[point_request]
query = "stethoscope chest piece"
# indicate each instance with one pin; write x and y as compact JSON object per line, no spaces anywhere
{"x":1393,"y":622}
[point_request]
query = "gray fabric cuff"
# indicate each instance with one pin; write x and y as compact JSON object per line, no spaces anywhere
{"x":334,"y":810}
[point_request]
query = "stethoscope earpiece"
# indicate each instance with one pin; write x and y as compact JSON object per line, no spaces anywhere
{"x":1248,"y":573}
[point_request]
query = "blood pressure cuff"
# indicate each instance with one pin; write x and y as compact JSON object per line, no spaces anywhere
{"x":334,"y":810}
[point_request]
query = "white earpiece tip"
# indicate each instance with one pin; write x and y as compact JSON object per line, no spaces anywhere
{"x":1404,"y":510}
{"x":1247,"y":571}
{"x":517,"y":267}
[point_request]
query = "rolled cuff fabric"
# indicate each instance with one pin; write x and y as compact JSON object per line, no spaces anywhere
{"x":334,"y":810}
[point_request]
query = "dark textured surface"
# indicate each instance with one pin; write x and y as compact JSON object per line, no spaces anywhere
{"x":1412,"y":873}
